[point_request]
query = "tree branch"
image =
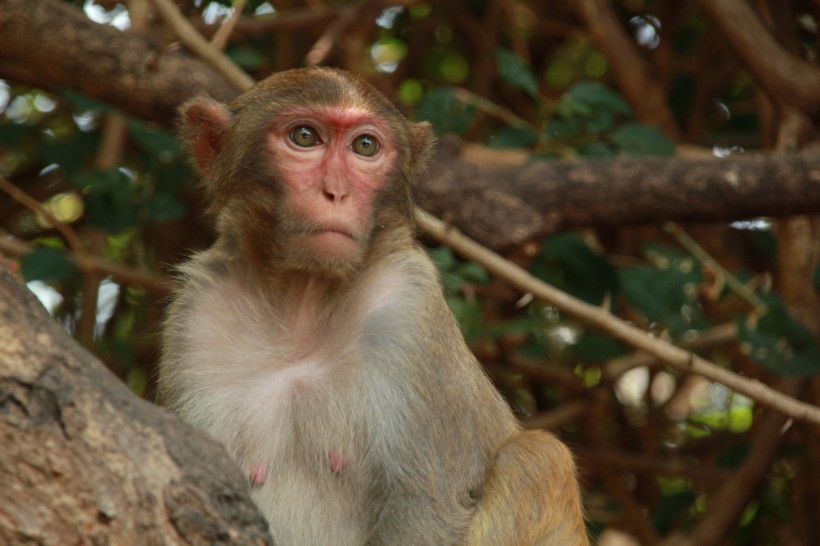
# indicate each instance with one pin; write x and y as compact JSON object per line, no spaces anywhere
{"x":790,"y":80}
{"x":55,"y":45}
{"x":199,"y":45}
{"x":631,"y":69}
{"x":675,"y":357}
{"x":538,"y":198}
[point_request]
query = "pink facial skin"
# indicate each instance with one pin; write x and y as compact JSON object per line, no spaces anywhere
{"x":330,"y":182}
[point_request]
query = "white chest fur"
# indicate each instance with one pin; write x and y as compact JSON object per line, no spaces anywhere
{"x":284,"y":386}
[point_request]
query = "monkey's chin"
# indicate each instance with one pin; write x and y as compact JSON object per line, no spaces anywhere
{"x":328,"y":253}
{"x":334,"y":245}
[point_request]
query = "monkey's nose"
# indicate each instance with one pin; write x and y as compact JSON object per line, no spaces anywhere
{"x":333,"y":196}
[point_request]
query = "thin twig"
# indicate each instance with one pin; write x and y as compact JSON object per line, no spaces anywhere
{"x":695,"y":341}
{"x":220,"y":38}
{"x":705,"y":258}
{"x":83,"y":258}
{"x":504,"y":114}
{"x":152,"y":282}
{"x":671,"y":355}
{"x":200,"y":46}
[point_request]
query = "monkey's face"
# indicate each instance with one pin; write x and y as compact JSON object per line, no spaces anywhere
{"x":332,"y":162}
{"x":306,"y":167}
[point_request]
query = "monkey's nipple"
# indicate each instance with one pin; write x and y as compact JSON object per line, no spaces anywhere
{"x":337,"y":462}
{"x":258,"y":474}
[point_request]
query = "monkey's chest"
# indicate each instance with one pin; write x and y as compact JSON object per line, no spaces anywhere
{"x":300,"y":414}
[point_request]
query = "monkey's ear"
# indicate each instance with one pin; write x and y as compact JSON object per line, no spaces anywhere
{"x":204,"y":124}
{"x":422,"y":144}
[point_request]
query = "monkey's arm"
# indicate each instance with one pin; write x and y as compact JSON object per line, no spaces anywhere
{"x":530,"y":496}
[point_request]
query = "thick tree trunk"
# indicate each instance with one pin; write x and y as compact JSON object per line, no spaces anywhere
{"x":84,"y":461}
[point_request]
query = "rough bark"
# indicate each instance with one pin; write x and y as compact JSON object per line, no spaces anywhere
{"x":84,"y":461}
{"x":501,"y":204}
{"x":52,"y":44}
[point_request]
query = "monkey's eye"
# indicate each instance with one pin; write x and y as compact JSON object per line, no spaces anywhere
{"x":365,"y":145}
{"x":304,"y":136}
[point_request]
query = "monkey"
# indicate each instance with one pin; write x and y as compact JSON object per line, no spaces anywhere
{"x":313,"y":339}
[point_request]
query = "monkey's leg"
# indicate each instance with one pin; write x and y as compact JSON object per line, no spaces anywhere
{"x":530,"y":496}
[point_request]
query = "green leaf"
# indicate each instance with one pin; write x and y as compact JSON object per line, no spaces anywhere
{"x":162,"y":207}
{"x":443,"y":257}
{"x":513,"y":137}
{"x":559,"y":128}
{"x":667,"y":291}
{"x":567,"y":262}
{"x":599,"y":122}
{"x":596,"y":149}
{"x":153,"y":140}
{"x":46,"y":264}
{"x":779,"y":342}
{"x":515,"y":71}
{"x":672,"y":508}
{"x":247,"y":58}
{"x":447,"y":114}
{"x":595,"y":97}
{"x":467,"y":313}
{"x":12,"y":134}
{"x":525,"y":325}
{"x":84,"y":103}
{"x":639,"y":139}
{"x":597,"y":347}
{"x":472,"y":272}
{"x":110,"y":201}
{"x":69,"y":153}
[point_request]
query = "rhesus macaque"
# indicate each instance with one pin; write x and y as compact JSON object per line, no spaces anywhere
{"x":314,"y":342}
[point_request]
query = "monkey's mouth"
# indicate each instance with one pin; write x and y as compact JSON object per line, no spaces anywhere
{"x":321,"y":230}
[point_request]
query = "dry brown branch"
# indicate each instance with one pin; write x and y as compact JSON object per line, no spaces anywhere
{"x":199,"y":45}
{"x":695,"y":341}
{"x":558,"y":417}
{"x":220,"y":38}
{"x":671,"y":355}
{"x":152,"y":282}
{"x":789,"y":79}
{"x":285,"y":20}
{"x":650,"y":464}
{"x":83,"y":259}
{"x":52,"y":44}
{"x":631,"y":70}
{"x":542,"y":197}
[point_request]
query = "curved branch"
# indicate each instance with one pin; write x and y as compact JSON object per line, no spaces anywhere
{"x":194,"y":40}
{"x":631,"y":69}
{"x":788,"y":79}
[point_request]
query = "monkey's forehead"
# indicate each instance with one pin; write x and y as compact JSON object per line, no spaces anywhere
{"x":316,"y":86}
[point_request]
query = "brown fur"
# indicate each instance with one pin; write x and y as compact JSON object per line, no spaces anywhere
{"x":343,"y":388}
